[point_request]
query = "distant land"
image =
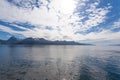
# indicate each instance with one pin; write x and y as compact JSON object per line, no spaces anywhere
{"x":115,"y":45}
{"x":39,"y":41}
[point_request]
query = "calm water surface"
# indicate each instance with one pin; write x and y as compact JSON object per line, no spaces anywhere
{"x":19,"y":62}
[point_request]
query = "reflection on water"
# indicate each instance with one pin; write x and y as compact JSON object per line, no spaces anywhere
{"x":18,"y":62}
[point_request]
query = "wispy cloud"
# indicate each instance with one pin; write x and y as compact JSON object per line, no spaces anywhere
{"x":116,"y":24}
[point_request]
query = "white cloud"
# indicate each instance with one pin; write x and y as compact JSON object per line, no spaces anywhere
{"x":65,"y":17}
{"x":116,"y":24}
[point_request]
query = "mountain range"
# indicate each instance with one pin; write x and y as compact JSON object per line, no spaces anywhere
{"x":38,"y":41}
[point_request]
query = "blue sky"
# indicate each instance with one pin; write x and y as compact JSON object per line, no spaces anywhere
{"x":91,"y":21}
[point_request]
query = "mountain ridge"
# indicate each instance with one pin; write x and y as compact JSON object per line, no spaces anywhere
{"x":39,"y":41}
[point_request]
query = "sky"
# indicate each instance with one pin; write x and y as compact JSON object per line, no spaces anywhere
{"x":89,"y":21}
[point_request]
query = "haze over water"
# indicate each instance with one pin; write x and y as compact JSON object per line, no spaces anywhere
{"x":65,"y":62}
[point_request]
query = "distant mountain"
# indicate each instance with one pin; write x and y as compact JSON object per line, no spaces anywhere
{"x":43,"y":41}
{"x":39,"y":41}
{"x":34,"y":41}
{"x":115,"y":45}
{"x":2,"y":41}
{"x":13,"y":40}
